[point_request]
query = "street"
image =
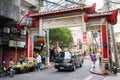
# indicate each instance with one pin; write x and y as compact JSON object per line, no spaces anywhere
{"x":52,"y":74}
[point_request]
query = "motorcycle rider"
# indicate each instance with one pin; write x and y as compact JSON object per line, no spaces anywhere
{"x":11,"y":63}
{"x":10,"y":69}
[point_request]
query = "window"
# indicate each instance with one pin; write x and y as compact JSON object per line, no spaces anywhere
{"x":67,"y":55}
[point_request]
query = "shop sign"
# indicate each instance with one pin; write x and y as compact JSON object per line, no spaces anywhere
{"x":84,"y":38}
{"x":12,"y":43}
{"x":40,"y":40}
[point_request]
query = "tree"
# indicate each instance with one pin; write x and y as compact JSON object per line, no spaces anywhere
{"x":63,"y":35}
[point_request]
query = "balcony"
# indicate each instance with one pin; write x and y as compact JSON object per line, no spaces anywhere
{"x":29,"y":3}
{"x":8,"y":11}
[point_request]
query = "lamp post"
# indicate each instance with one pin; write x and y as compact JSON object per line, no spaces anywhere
{"x":15,"y":60}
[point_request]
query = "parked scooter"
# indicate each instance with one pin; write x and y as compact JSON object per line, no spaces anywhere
{"x":114,"y":69}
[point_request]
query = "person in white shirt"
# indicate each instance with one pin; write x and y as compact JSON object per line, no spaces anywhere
{"x":38,"y":61}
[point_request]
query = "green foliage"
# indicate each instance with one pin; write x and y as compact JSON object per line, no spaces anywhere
{"x":63,"y":35}
{"x":2,"y":69}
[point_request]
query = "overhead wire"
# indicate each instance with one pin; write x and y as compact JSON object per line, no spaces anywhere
{"x":60,"y":2}
{"x":115,"y":2}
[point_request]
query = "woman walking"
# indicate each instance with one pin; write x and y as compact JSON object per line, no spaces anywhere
{"x":93,"y":58}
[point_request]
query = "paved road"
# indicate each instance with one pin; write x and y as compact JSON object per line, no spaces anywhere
{"x":52,"y":74}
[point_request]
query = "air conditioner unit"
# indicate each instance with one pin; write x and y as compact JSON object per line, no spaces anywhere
{"x":23,"y":32}
{"x":6,"y":30}
{"x":13,"y":30}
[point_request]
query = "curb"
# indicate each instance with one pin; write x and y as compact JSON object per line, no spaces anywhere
{"x":92,"y":71}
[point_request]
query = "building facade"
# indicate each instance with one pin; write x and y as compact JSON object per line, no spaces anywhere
{"x":13,"y":40}
{"x":9,"y":15}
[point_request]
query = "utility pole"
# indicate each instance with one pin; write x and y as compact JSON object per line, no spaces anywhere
{"x":113,"y":47}
{"x":47,"y":61}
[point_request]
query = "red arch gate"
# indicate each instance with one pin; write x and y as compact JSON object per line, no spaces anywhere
{"x":77,"y":16}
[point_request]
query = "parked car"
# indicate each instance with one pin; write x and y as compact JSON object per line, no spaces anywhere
{"x":69,"y":60}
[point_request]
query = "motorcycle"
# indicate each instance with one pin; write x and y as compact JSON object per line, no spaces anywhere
{"x":11,"y":72}
{"x":8,"y":71}
{"x":115,"y":70}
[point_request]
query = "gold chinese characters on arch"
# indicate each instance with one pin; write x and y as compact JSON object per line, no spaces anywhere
{"x":92,"y":28}
{"x":68,"y":21}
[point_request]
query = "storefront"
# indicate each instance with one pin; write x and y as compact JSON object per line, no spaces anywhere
{"x":11,"y":45}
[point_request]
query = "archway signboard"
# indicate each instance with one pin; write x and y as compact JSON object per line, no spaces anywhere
{"x":70,"y":17}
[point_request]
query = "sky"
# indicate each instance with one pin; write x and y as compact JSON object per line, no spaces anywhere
{"x":99,"y":3}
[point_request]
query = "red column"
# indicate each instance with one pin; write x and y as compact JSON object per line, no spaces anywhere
{"x":26,"y":55}
{"x":29,"y":45}
{"x":104,"y":42}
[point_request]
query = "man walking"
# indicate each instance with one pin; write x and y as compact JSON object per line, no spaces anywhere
{"x":38,"y":61}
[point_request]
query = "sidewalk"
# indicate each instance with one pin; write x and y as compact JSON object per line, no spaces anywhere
{"x":113,"y":77}
{"x":98,"y":70}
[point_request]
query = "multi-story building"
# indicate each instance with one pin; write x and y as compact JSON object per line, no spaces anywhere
{"x":9,"y":15}
{"x":13,"y":41}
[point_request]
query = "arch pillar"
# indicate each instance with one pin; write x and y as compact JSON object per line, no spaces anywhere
{"x":105,"y":50}
{"x":29,"y":45}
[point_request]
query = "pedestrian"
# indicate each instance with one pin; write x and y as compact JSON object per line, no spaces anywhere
{"x":21,"y":60}
{"x":11,"y":64}
{"x":84,"y":53}
{"x":93,"y":58}
{"x":100,"y":57}
{"x":56,"y":54}
{"x":38,"y":61}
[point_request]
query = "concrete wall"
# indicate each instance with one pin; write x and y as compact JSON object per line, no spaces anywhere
{"x":32,"y":2}
{"x":9,"y":9}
